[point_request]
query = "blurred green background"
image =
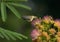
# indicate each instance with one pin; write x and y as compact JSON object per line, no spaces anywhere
{"x":39,"y":8}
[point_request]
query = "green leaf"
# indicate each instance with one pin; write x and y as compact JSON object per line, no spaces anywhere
{"x":1,"y":35}
{"x":3,"y":11}
{"x":20,"y":35}
{"x":9,"y":34}
{"x":21,"y":5}
{"x":17,"y":35}
{"x":4,"y":34}
{"x":13,"y":10}
{"x":14,"y":0}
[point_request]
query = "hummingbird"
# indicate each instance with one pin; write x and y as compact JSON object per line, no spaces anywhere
{"x":32,"y":19}
{"x":35,"y":22}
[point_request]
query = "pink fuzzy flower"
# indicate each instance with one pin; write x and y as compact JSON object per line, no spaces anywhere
{"x":34,"y":34}
{"x":47,"y":19}
{"x":35,"y":22}
{"x":57,"y":23}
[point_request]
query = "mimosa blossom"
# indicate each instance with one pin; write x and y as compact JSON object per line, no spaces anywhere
{"x":57,"y":23}
{"x":58,"y":33}
{"x":46,"y":35}
{"x":46,"y":29}
{"x":36,"y":22}
{"x":58,"y":39}
{"x":52,"y":31}
{"x":47,"y":19}
{"x":35,"y":33}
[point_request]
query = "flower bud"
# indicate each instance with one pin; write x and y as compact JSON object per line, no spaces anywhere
{"x":46,"y":35}
{"x":52,"y":31}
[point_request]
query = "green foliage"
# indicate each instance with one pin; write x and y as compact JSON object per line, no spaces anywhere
{"x":20,"y":5}
{"x":14,"y":10}
{"x":3,"y":11}
{"x":12,"y":0}
{"x":10,"y":5}
{"x":4,"y":4}
{"x":10,"y":34}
